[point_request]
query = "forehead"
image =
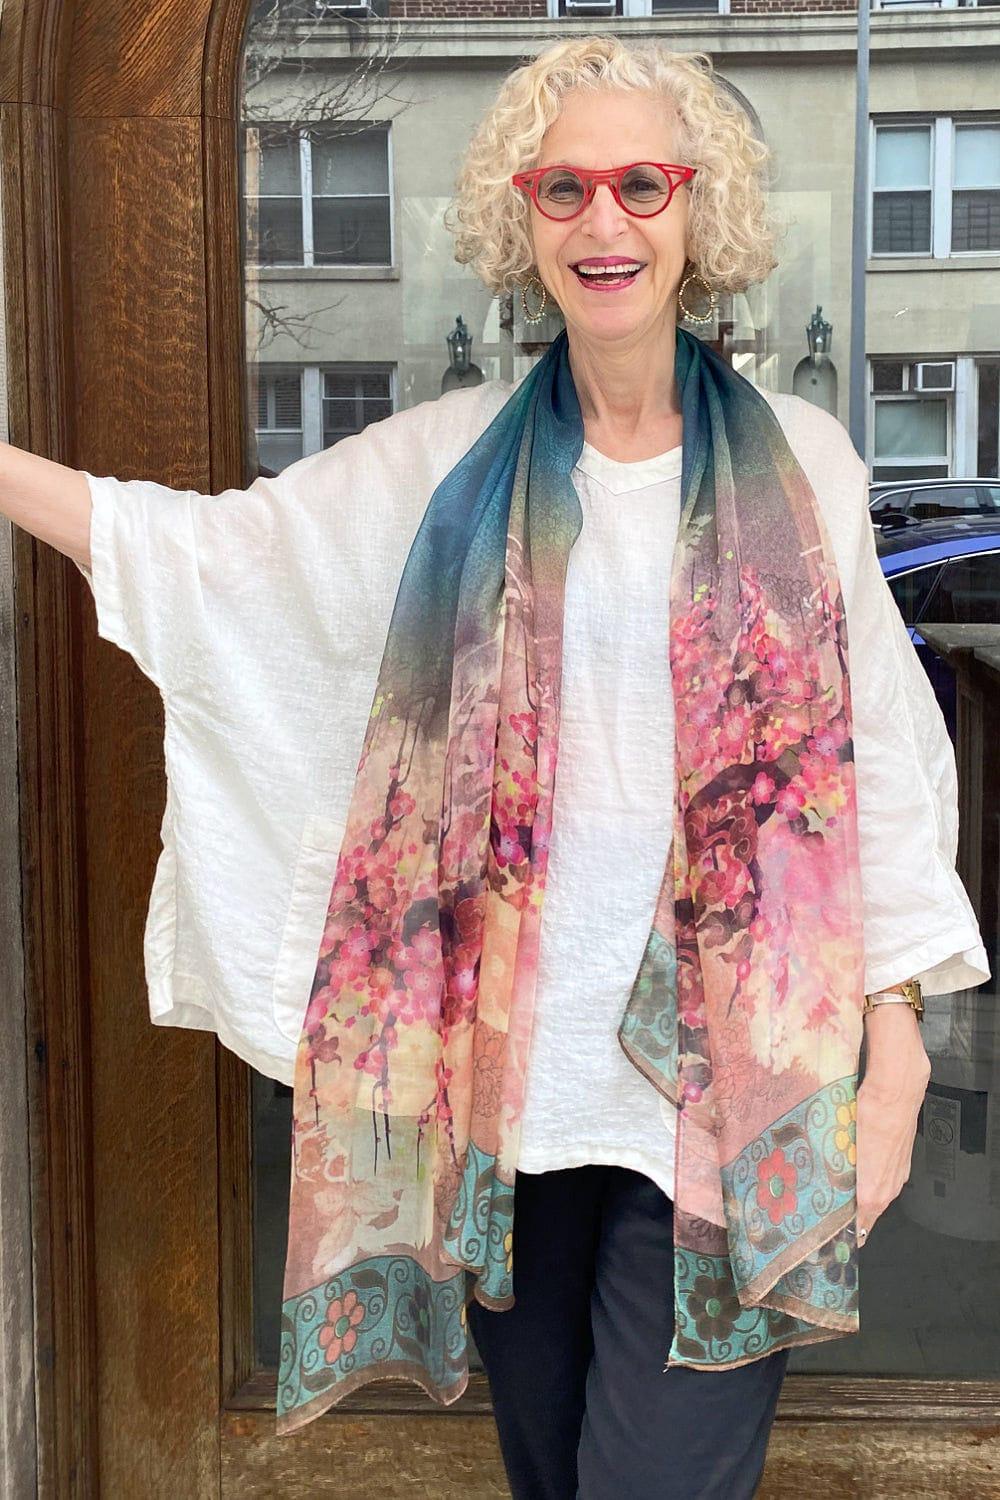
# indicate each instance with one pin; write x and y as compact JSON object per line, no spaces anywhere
{"x":607,"y":128}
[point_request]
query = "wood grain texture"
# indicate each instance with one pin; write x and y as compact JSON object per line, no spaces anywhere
{"x":139,"y":58}
{"x":407,"y":1457}
{"x":904,"y":1461}
{"x":33,"y":52}
{"x":455,"y":1457}
{"x":138,"y":206}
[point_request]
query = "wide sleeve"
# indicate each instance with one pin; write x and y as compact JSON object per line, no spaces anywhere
{"x":918,"y":920}
{"x":184,"y":582}
{"x":161,"y":559}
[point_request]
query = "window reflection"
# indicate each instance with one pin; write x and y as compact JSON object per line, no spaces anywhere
{"x":349,"y":148}
{"x":968,"y":591}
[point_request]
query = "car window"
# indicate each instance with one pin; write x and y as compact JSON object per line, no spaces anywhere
{"x":949,"y":500}
{"x":911,"y":589}
{"x":968,"y":592}
{"x":895,"y":501}
{"x":992,"y":492}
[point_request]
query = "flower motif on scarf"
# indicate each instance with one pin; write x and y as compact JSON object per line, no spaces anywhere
{"x":776,"y":1178}
{"x":714,"y":1306}
{"x":339,"y":1333}
{"x":839,"y":1262}
{"x":845,"y":1137}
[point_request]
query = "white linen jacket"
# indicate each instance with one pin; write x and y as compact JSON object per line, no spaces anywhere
{"x":261,"y":615}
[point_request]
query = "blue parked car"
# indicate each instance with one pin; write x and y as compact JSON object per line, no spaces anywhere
{"x":946,"y":571}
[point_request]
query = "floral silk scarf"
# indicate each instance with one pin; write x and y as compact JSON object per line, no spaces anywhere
{"x":745,"y":1012}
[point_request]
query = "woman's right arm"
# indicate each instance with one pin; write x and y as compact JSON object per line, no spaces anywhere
{"x":47,"y":499}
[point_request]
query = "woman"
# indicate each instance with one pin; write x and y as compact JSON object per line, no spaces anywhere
{"x":625,"y":1147}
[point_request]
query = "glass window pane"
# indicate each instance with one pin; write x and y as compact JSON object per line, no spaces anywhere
{"x":351,"y":231}
{"x":887,"y":374}
{"x":276,"y":450}
{"x":280,"y":163}
{"x":911,"y":589}
{"x":901,"y":473}
{"x":934,"y":504}
{"x":975,"y":221}
{"x":901,"y":223}
{"x":279,"y":226}
{"x":977,"y":156}
{"x":895,"y":503}
{"x":352,"y":400}
{"x":352,"y":163}
{"x":969,"y":591}
{"x":911,"y":429}
{"x":903,"y":157}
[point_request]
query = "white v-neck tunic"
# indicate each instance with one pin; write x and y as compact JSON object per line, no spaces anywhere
{"x":612,"y":821}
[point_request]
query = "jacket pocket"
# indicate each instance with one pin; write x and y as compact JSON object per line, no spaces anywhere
{"x":298,"y":954}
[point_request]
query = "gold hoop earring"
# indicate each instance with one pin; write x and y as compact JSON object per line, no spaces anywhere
{"x":536,"y":316}
{"x":713,"y":301}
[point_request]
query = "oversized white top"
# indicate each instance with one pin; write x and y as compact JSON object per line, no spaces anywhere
{"x":611,"y":826}
{"x":261,"y":615}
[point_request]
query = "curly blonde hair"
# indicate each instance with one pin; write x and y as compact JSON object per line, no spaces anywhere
{"x":730,"y":233}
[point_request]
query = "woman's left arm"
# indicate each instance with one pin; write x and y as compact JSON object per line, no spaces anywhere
{"x":918,"y":920}
{"x":897,"y":1071}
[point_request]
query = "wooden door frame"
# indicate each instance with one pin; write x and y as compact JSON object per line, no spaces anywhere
{"x":121,"y":202}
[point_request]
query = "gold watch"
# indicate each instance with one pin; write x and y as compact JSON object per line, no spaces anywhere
{"x":908,"y":991}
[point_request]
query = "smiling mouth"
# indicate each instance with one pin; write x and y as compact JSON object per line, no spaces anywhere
{"x":621,"y":273}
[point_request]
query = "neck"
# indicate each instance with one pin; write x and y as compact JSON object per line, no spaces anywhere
{"x":627,"y":392}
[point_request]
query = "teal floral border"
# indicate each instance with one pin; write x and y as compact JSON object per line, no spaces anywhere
{"x":385,"y":1317}
{"x":790,"y":1189}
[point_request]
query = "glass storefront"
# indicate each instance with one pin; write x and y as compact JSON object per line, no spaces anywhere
{"x":350,"y":144}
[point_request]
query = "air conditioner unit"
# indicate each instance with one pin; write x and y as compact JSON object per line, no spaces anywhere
{"x":591,"y":7}
{"x":357,"y":10}
{"x":934,"y":375}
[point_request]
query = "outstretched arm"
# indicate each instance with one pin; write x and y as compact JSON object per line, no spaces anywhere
{"x":48,"y":499}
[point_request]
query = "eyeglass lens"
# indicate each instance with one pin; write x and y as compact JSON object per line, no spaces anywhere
{"x":644,"y":189}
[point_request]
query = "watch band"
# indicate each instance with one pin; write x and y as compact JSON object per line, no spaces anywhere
{"x":909,"y":993}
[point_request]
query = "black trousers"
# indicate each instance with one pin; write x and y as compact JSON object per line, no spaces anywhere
{"x":584,"y":1409}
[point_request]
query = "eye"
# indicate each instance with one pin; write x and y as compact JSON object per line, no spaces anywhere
{"x":560,"y":186}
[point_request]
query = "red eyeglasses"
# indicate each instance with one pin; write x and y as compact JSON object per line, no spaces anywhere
{"x":643,"y":188}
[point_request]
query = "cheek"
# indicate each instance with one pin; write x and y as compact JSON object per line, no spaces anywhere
{"x":548,"y":243}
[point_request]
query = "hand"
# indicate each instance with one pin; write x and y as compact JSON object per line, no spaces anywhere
{"x":897,"y":1072}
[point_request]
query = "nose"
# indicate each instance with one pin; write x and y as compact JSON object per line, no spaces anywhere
{"x":603,"y":213}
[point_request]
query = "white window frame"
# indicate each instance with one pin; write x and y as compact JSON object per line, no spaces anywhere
{"x":942,"y":129}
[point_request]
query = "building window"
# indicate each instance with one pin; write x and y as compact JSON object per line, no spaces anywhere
{"x":303,"y":410}
{"x":975,"y":210}
{"x":901,"y":190}
{"x":936,"y":188}
{"x":352,"y":398}
{"x":322,"y":195}
{"x":279,"y":418}
{"x":597,"y":9}
{"x":931,"y":4}
{"x":910,"y":425}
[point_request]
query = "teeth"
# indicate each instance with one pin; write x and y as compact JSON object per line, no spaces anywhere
{"x":625,"y":267}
